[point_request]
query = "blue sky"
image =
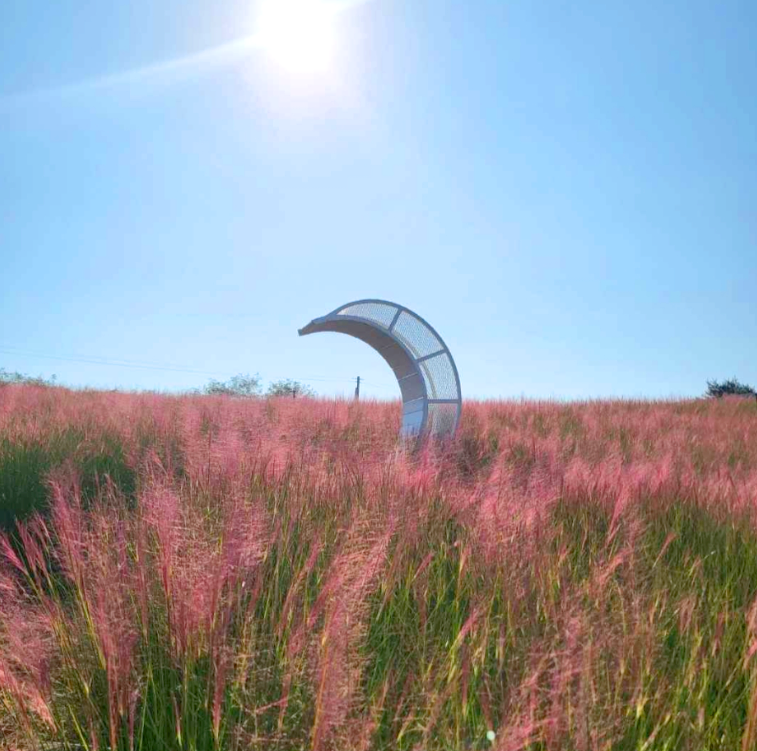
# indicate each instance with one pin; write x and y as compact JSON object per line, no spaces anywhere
{"x":566,"y":191}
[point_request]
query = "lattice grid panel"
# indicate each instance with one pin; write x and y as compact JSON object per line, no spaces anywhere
{"x":440,"y":377}
{"x":379,"y":313}
{"x":415,"y":335}
{"x":442,"y":418}
{"x":420,"y":342}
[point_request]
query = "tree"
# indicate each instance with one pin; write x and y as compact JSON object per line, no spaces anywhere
{"x":241,"y":385}
{"x":9,"y":377}
{"x":730,"y":387}
{"x":288,"y":387}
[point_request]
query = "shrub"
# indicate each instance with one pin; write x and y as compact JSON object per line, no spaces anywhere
{"x":241,"y":385}
{"x":288,"y":387}
{"x":731,"y":387}
{"x":14,"y":377}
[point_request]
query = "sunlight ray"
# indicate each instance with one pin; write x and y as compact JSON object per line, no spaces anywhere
{"x":165,"y":73}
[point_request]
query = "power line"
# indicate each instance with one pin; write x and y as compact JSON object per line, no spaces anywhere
{"x":143,"y":365}
{"x":380,"y":385}
{"x":93,"y":360}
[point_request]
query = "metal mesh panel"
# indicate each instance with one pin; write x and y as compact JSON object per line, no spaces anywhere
{"x":440,"y":377}
{"x":378,"y":313}
{"x":415,"y":335}
{"x":420,"y":361}
{"x":442,"y":418}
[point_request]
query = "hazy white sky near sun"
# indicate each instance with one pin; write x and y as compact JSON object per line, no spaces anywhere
{"x":565,"y":191}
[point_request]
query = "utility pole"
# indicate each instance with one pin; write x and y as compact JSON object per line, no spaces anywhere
{"x":357,"y":390}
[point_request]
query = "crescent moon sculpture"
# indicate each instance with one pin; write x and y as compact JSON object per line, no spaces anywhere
{"x":422,"y":363}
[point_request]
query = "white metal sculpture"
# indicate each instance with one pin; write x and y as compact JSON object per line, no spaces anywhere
{"x":425,"y":371}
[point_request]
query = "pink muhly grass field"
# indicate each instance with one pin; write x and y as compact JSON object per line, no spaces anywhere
{"x":215,"y":573}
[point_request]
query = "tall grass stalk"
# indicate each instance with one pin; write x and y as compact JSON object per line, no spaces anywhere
{"x":205,"y":573}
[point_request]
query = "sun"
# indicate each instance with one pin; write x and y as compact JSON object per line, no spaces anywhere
{"x":298,"y":34}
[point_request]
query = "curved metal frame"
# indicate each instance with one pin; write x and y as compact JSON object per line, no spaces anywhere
{"x":412,"y":376}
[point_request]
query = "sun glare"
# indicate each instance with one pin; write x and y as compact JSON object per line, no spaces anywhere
{"x":298,"y":34}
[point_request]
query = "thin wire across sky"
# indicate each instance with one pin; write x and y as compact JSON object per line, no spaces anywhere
{"x":170,"y":368}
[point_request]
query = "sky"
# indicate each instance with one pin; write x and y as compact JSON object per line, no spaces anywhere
{"x":566,"y":191}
